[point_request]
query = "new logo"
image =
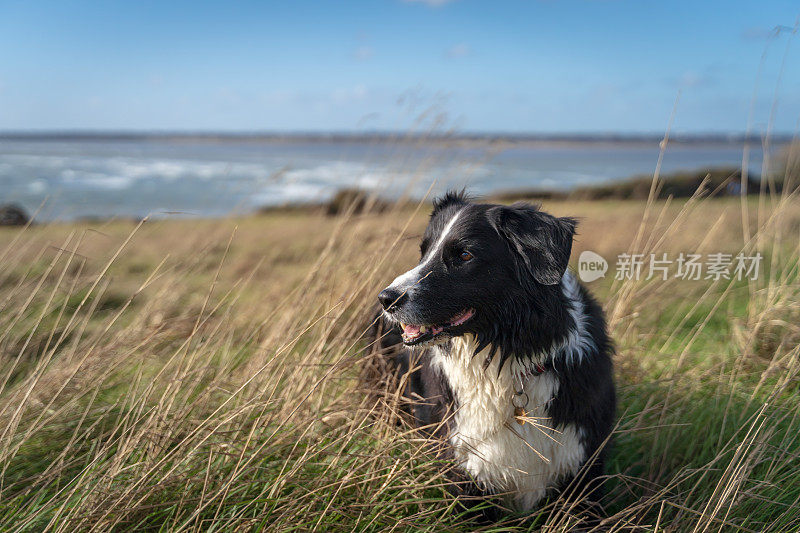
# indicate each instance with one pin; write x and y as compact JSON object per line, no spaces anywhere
{"x":591,"y":266}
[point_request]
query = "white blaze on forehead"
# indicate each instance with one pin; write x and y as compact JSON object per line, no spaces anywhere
{"x":416,"y":273}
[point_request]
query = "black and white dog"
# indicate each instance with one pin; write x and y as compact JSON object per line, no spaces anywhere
{"x":510,"y":358}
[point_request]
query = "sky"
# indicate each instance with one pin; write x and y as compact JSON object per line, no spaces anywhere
{"x":539,"y":66}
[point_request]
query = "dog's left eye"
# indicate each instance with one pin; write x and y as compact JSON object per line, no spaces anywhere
{"x":466,"y":256}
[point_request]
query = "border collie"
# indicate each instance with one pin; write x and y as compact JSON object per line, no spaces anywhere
{"x":508,"y":359}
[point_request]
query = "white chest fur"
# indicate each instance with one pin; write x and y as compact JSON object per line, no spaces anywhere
{"x":521,"y":460}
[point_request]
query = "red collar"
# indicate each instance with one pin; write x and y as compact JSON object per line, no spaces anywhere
{"x":537,"y":370}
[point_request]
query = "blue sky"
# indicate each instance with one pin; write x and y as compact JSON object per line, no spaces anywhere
{"x":528,"y":66}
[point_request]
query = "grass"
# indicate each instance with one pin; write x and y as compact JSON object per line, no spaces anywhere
{"x":206,"y":375}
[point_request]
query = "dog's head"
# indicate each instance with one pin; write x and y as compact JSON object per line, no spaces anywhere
{"x":493,"y":271}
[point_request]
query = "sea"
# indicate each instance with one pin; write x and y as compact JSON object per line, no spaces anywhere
{"x":67,"y":178}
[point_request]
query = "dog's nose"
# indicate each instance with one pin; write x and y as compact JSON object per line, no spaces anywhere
{"x":389,"y":297}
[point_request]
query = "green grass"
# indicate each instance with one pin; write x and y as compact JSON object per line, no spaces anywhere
{"x":208,"y":375}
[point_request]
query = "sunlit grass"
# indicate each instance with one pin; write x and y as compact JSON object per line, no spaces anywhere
{"x":194,"y":375}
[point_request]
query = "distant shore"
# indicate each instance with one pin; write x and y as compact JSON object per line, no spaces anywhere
{"x":717,"y":182}
{"x":467,"y":140}
{"x":105,"y":175}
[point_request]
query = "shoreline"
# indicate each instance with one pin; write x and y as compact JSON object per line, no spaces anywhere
{"x":360,"y":203}
{"x":718,"y":182}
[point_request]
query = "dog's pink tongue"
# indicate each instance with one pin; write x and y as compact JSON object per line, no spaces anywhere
{"x":411,"y":330}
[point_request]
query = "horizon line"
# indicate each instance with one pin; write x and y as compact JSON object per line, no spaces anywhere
{"x":395,"y":135}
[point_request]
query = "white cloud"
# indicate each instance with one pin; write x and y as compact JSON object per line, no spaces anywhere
{"x":364,"y":53}
{"x":429,"y":3}
{"x":458,"y":50}
{"x":691,"y":79}
{"x":349,"y":95}
{"x":279,"y":97}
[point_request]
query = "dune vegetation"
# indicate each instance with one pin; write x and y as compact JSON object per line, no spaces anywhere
{"x":173,"y":375}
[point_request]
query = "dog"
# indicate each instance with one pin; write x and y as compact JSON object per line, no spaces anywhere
{"x":506,"y":354}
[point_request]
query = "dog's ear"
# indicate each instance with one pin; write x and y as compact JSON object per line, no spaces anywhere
{"x":542,"y":241}
{"x":449,"y":198}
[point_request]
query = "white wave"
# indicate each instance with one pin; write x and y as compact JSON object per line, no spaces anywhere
{"x":350,"y":174}
{"x":95,"y":180}
{"x":290,"y":193}
{"x":37,"y":187}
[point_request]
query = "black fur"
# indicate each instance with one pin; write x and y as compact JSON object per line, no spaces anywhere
{"x":512,"y":280}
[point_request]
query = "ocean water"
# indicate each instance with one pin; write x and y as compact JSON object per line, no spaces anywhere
{"x":72,"y":179}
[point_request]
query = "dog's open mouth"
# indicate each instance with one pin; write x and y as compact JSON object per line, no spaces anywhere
{"x":415,"y":334}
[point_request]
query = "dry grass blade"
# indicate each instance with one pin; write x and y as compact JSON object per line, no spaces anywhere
{"x":182,"y":375}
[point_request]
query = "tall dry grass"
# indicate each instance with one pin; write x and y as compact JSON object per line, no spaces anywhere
{"x":204,"y":375}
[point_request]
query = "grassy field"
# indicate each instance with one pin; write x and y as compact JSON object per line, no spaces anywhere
{"x":204,"y":375}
